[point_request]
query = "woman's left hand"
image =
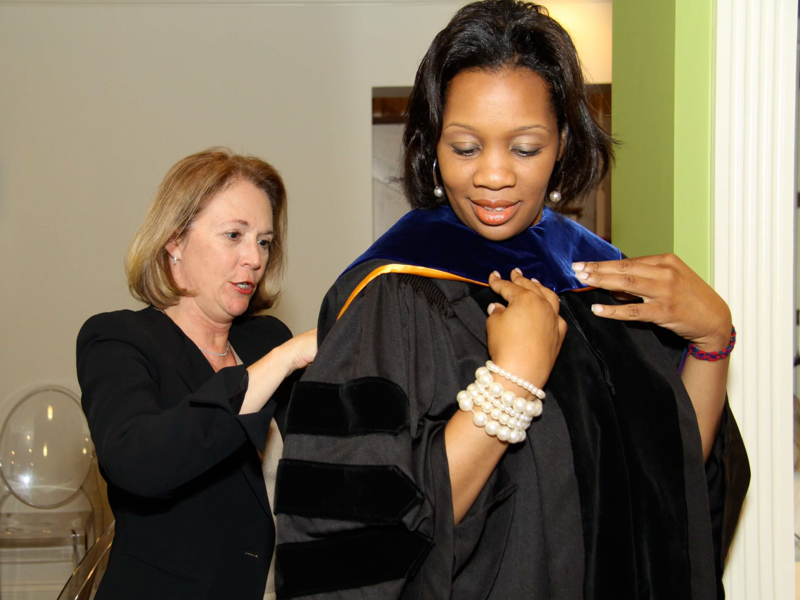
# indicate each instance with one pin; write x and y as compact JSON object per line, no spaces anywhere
{"x":302,"y":349}
{"x":674,"y":296}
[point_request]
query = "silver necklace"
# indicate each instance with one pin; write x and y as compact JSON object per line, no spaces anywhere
{"x":217,"y":354}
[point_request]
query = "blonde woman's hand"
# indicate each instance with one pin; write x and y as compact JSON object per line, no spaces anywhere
{"x":673,"y":295}
{"x":301,"y":349}
{"x":525,"y":336}
{"x":267,"y":373}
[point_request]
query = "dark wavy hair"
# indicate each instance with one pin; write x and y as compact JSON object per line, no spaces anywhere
{"x":493,"y":35}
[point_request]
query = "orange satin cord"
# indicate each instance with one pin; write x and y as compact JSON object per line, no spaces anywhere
{"x":408,"y":270}
{"x":414,"y":270}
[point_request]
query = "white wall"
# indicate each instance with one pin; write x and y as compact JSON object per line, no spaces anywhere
{"x":589,"y":23}
{"x":98,"y":99}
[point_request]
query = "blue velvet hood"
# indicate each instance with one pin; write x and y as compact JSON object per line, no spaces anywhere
{"x":437,"y":239}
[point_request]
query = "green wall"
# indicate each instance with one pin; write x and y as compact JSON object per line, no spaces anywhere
{"x":661,"y":95}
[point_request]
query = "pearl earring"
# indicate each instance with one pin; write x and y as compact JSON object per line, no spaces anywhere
{"x":555,"y":196}
{"x":175,"y":259}
{"x":438,"y":190}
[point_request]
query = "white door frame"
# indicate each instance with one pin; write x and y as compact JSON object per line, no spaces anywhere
{"x":753,"y":170}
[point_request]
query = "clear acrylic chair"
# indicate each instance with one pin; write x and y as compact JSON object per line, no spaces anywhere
{"x":86,"y":578}
{"x":46,"y":459}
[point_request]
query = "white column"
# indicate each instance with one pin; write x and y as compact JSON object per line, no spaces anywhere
{"x":753,"y":270}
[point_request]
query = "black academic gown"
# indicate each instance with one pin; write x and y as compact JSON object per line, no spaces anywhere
{"x":608,"y":497}
{"x":184,"y":476}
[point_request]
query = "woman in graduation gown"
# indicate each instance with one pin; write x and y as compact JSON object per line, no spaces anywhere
{"x":606,"y":463}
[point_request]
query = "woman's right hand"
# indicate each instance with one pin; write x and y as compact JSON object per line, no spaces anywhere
{"x":525,"y":336}
{"x":524,"y":339}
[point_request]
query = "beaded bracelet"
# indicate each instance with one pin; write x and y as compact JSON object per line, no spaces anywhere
{"x":525,"y":385}
{"x":502,"y":413}
{"x":713,"y":356}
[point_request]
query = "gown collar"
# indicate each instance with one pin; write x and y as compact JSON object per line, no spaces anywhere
{"x":437,"y":239}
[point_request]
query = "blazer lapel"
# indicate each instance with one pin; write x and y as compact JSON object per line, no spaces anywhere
{"x":195,"y":370}
{"x":192,"y":366}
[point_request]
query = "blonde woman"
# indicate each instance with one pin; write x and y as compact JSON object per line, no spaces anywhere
{"x":181,"y":396}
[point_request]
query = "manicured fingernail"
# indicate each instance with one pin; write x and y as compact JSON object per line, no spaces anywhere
{"x":490,"y":308}
{"x":495,"y":273}
{"x":582,"y":275}
{"x":597,"y":308}
{"x":534,"y":280}
{"x":579,"y":266}
{"x":518,"y":270}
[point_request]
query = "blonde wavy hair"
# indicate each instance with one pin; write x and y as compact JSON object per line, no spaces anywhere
{"x":186,"y":190}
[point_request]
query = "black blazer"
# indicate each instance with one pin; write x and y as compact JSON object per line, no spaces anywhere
{"x":183,"y":471}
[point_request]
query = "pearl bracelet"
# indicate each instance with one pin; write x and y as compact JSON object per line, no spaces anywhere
{"x":501,"y":413}
{"x":525,"y":385}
